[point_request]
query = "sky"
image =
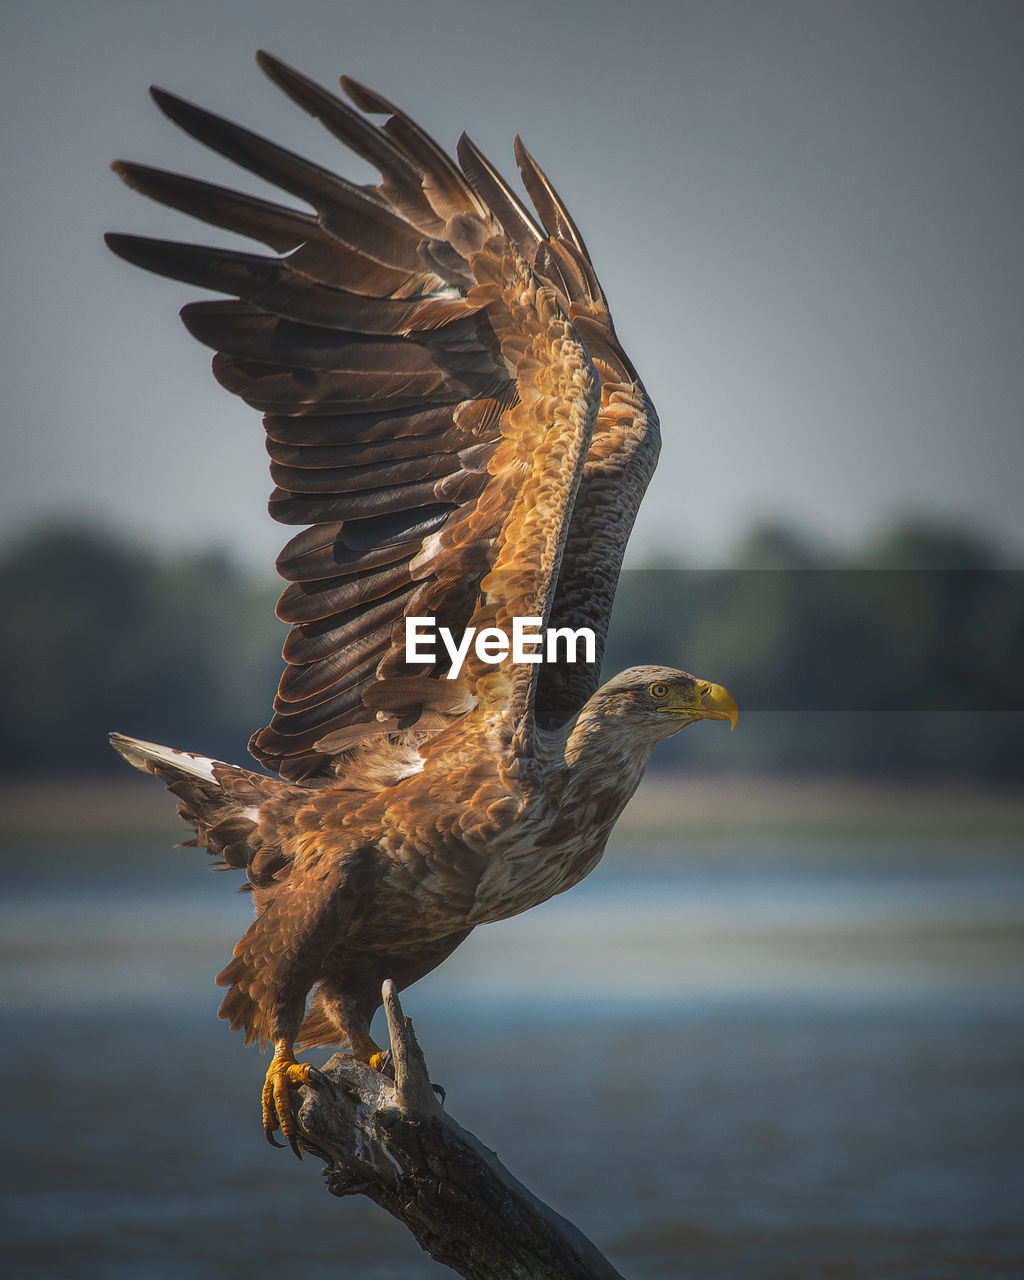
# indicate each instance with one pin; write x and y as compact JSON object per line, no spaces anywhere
{"x":807,"y":218}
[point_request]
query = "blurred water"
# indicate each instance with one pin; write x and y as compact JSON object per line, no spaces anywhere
{"x":745,"y":1066}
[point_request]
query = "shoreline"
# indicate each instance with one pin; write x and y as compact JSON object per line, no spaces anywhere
{"x":726,"y":807}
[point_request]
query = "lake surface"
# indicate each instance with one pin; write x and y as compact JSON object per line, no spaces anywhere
{"x":751,"y":1064}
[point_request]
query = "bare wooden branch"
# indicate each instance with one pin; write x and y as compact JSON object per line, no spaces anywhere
{"x":391,"y":1140}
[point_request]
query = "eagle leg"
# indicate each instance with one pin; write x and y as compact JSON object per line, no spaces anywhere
{"x":365,"y":1049}
{"x":283,"y":1074}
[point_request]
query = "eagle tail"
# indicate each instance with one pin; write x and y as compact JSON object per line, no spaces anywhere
{"x":151,"y":758}
{"x":220,"y":801}
{"x":318,"y":1027}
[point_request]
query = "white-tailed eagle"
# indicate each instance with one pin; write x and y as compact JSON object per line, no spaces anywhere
{"x":452,"y":423}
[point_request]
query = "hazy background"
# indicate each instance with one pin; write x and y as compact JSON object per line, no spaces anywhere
{"x":778,"y":1033}
{"x":806,"y":215}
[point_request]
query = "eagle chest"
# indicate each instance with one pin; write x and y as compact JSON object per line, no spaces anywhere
{"x":546,"y":852}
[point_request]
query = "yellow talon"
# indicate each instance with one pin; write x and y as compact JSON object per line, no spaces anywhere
{"x":364,"y":1049}
{"x":283,"y":1074}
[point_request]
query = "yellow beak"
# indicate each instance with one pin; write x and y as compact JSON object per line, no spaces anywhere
{"x":713,"y":703}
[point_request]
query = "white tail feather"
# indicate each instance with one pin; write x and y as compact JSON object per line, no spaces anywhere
{"x":143,"y":754}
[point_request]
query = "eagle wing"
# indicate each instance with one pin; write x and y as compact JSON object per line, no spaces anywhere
{"x":447,"y":411}
{"x":619,"y":463}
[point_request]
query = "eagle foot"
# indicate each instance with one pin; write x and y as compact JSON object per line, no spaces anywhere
{"x":283,"y":1074}
{"x":382,"y":1061}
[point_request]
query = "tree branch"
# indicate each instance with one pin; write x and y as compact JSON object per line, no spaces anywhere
{"x":391,"y":1140}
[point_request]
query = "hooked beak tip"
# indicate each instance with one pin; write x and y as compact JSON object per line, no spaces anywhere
{"x":717,"y":703}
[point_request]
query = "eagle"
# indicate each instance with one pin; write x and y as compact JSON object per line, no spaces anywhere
{"x":457,"y":432}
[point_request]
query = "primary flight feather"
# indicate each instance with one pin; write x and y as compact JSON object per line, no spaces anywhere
{"x":451,"y":419}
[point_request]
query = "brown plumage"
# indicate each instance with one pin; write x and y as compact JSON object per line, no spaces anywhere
{"x":449,"y":412}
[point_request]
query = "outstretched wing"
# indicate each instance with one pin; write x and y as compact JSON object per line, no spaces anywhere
{"x":429,"y":406}
{"x":619,"y":463}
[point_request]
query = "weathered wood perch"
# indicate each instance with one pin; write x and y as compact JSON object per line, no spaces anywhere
{"x":391,"y":1140}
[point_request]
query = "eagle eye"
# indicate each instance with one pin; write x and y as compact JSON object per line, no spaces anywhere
{"x":659,"y":690}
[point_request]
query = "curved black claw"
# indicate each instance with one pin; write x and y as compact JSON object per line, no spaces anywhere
{"x":316,"y":1077}
{"x":315,"y":1149}
{"x":293,"y":1142}
{"x":272,"y":1140}
{"x":440,"y":1091}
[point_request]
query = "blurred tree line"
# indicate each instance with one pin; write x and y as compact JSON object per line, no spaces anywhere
{"x":902,"y":659}
{"x":96,"y":635}
{"x":898,"y":660}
